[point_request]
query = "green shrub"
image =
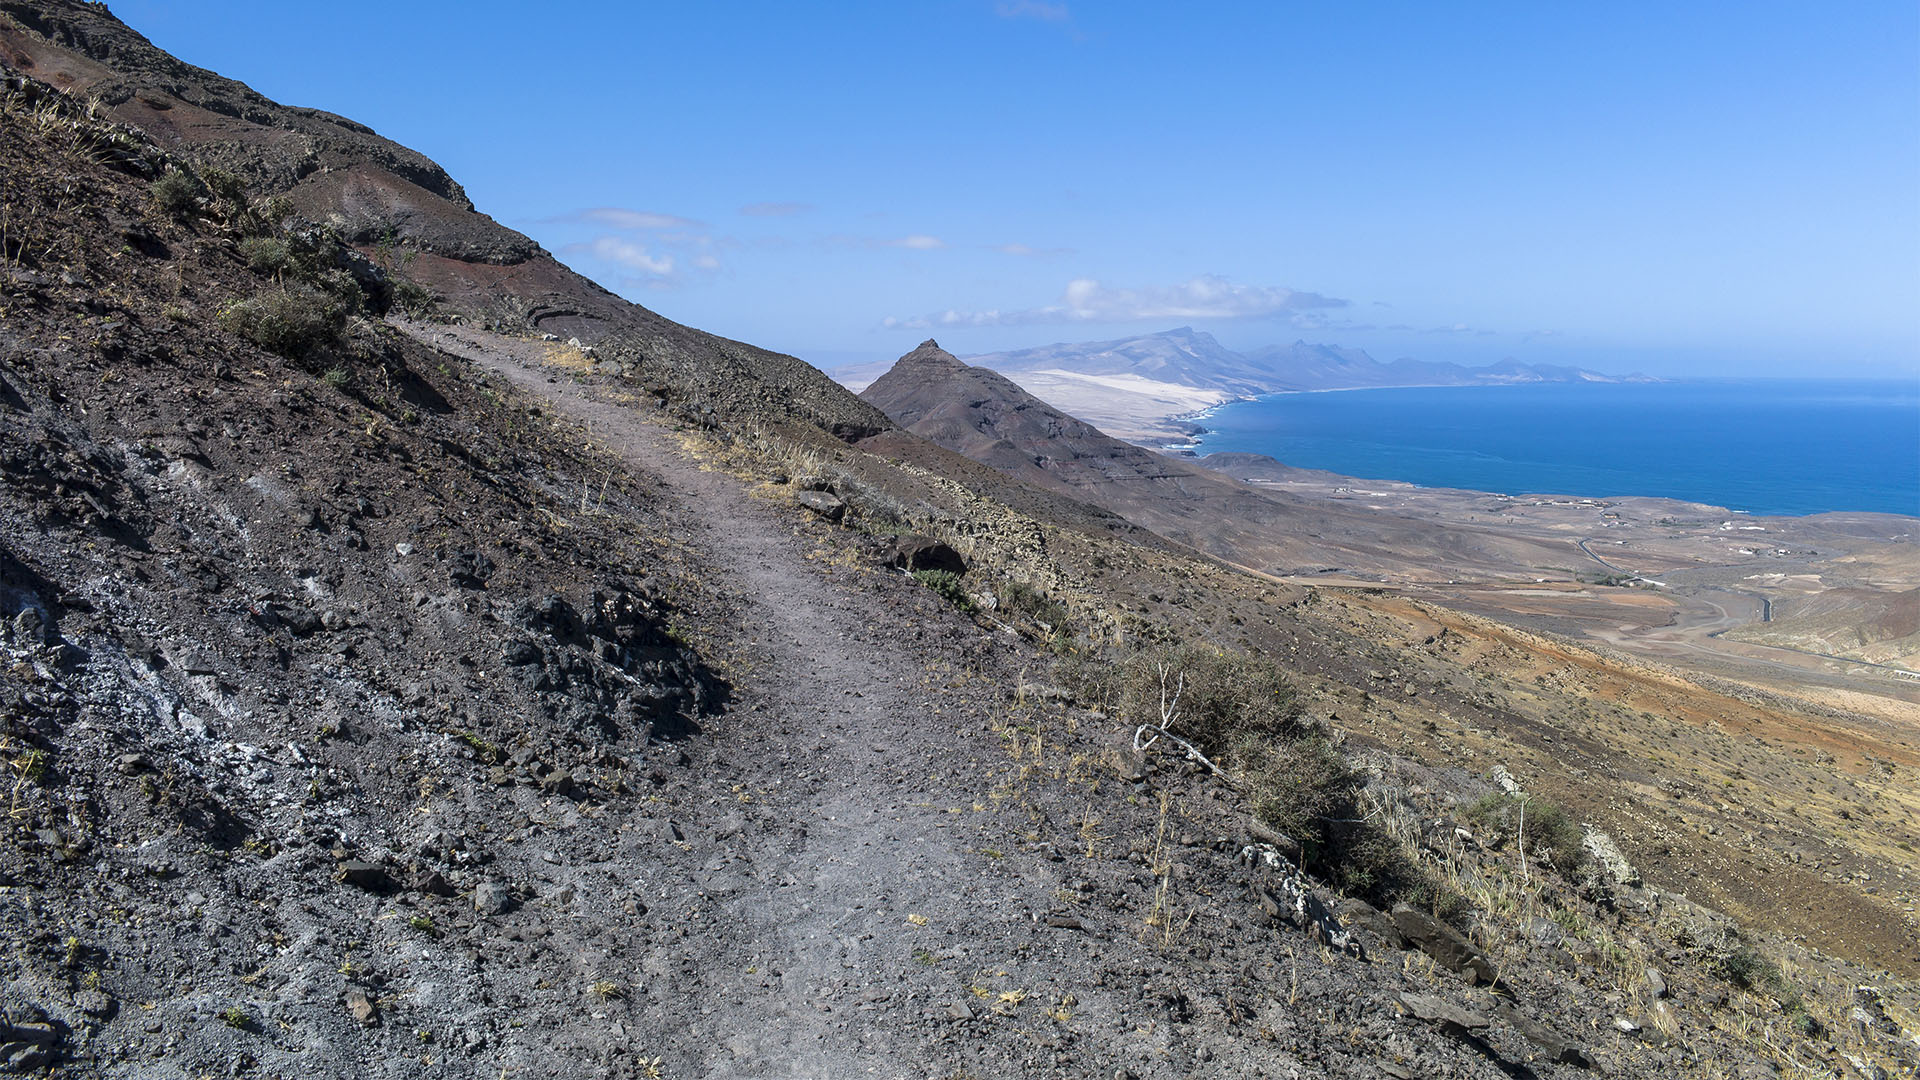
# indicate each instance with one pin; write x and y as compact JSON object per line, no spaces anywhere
{"x":176,"y":193}
{"x":1084,"y":670}
{"x":410,"y":297}
{"x":1745,"y":967}
{"x":947,"y":584}
{"x":1298,"y":785}
{"x":1223,"y":697}
{"x":1024,"y":599}
{"x":228,"y":192}
{"x":1303,"y":786}
{"x":267,"y":255}
{"x":1552,"y":834}
{"x":296,"y":321}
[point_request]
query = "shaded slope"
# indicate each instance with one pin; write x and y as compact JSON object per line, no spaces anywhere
{"x":373,"y":191}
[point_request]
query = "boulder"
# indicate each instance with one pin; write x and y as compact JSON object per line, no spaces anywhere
{"x":1608,"y":856}
{"x":1656,"y":983}
{"x":363,"y":875}
{"x":1361,"y":915}
{"x":30,"y":1042}
{"x":1443,"y":943}
{"x":1557,"y":1047}
{"x":1285,"y":896}
{"x":915,"y":552}
{"x":1287,"y":846}
{"x":827,"y":506}
{"x":1451,"y":1018}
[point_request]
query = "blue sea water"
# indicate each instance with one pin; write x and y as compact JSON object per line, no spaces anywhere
{"x":1766,"y":446}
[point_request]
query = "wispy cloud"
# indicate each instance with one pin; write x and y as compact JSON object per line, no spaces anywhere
{"x":625,"y":253}
{"x":653,"y":250}
{"x":1032,"y":9}
{"x":1088,"y":301}
{"x":775,"y":209}
{"x":911,"y":242}
{"x":1025,"y":252}
{"x":618,"y":217}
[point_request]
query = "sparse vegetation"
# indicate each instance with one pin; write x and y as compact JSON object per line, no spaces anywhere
{"x":1225,"y":697}
{"x":269,"y":256}
{"x":176,"y":193}
{"x":948,"y":585}
{"x":1551,"y":834}
{"x":296,"y":321}
{"x":1024,"y":599}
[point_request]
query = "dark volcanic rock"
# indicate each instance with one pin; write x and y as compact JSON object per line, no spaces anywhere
{"x":912,"y":551}
{"x":1443,"y":943}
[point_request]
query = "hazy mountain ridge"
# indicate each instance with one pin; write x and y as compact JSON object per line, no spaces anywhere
{"x":1195,"y":358}
{"x":1143,"y":389}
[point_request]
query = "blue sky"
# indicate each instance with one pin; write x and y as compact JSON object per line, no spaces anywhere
{"x":1697,"y":188}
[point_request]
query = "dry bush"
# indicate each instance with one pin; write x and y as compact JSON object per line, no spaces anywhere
{"x":1223,"y":697}
{"x":297,"y":322}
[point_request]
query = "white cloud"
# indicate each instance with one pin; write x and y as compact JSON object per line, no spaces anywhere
{"x":917,"y":243}
{"x":1026,"y":252}
{"x":621,"y":218}
{"x":623,"y":252}
{"x":706,"y":262}
{"x":1032,"y":9}
{"x":775,"y":209}
{"x":1088,"y":301}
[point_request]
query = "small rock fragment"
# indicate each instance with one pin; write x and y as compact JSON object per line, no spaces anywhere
{"x":492,"y":898}
{"x":1656,"y":983}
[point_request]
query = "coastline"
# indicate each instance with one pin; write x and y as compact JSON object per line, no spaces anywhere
{"x":1709,"y":442}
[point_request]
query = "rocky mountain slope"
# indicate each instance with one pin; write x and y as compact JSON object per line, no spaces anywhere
{"x":389,"y":691}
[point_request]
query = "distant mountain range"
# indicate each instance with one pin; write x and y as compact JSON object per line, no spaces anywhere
{"x":1190,"y":357}
{"x":1140,"y":388}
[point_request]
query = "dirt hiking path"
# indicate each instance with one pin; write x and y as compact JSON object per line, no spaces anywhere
{"x":844,"y":878}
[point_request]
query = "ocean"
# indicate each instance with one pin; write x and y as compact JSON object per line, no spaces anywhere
{"x":1765,"y":446}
